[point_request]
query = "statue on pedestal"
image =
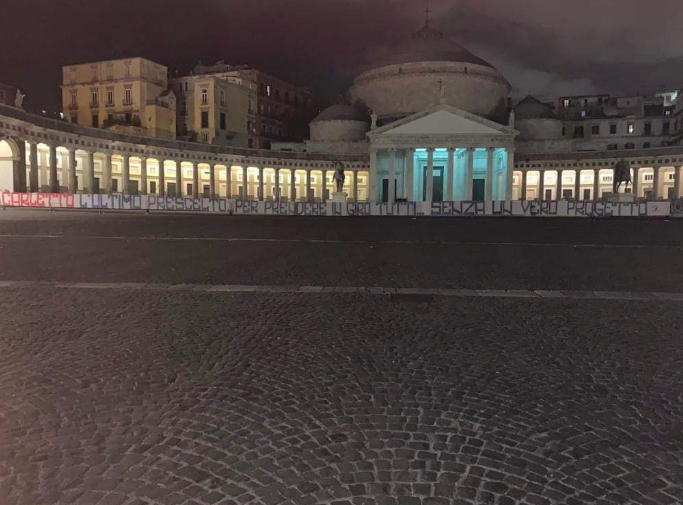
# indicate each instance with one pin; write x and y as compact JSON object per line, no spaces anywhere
{"x":339,"y":177}
{"x":622,"y":174}
{"x":511,"y":119}
{"x":373,"y":116}
{"x":19,"y":99}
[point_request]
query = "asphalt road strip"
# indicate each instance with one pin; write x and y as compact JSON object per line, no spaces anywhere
{"x":327,"y":241}
{"x":361,"y":290}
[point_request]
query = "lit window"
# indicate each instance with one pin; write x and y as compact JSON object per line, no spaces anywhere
{"x":667,"y":112}
{"x":630,"y":128}
{"x":268,"y":90}
{"x":205,"y":96}
{"x":565,"y":103}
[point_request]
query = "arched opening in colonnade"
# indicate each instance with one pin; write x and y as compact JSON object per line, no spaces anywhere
{"x":9,"y":153}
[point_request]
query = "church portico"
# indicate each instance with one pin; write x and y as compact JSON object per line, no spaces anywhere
{"x":442,"y":154}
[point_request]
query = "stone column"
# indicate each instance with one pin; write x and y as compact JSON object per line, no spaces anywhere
{"x":636,"y":182}
{"x":373,"y":174}
{"x":430,"y":174}
{"x":596,"y":183}
{"x":228,"y":181}
{"x":324,"y":185}
{"x":212,"y":180}
{"x":489,"y":174}
{"x":292,"y":184}
{"x":19,"y":168}
{"x":541,"y":184}
{"x":90,"y":177}
{"x":677,"y":182}
{"x":469,"y":177}
{"x":410,"y":169}
{"x":33,"y":176}
{"x":143,"y":175}
{"x":510,"y":173}
{"x":355,"y":185}
{"x":161,"y":191}
{"x":655,"y":182}
{"x":195,"y":179}
{"x":260,"y":184}
{"x":276,"y":196}
{"x":108,"y":186}
{"x":308,"y":186}
{"x":524,"y":177}
{"x":126,"y":174}
{"x":73,"y":188}
{"x":54,"y":182}
{"x":391,"y":184}
{"x":450,"y":179}
{"x":178,"y":179}
{"x":558,"y":185}
{"x":577,"y":184}
{"x":245,"y":182}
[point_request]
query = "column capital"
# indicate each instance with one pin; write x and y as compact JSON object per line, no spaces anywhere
{"x":451,"y":149}
{"x":430,"y":149}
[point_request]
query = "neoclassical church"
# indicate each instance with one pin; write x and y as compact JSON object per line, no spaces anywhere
{"x":430,"y":121}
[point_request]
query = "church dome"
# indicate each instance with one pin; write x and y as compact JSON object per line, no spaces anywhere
{"x":341,"y":112}
{"x":426,"y":69}
{"x":339,"y":123}
{"x":532,"y":108}
{"x":429,"y":44}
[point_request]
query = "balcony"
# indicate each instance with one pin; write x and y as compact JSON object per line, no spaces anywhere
{"x":94,"y":105}
{"x":73,"y":106}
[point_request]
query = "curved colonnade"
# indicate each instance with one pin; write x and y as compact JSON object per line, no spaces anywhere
{"x":58,"y":157}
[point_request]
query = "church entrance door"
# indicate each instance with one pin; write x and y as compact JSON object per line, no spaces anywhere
{"x":437,"y":195}
{"x":385,"y":189}
{"x":478,"y":190}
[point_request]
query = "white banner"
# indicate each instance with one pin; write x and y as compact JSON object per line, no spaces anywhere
{"x":552,"y":208}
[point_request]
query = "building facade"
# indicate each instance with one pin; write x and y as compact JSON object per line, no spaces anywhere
{"x":126,"y":95}
{"x":279,"y":110}
{"x":212,"y":110}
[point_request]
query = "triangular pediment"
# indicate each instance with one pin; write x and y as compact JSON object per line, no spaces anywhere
{"x":443,"y":120}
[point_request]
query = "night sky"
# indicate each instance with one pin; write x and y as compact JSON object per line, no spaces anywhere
{"x":541,"y":46}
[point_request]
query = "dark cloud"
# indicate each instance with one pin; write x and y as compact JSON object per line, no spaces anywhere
{"x":542,"y":46}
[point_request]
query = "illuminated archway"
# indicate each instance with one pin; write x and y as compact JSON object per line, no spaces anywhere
{"x":9,"y":154}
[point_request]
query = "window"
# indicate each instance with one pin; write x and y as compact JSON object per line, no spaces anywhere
{"x":268,"y":90}
{"x":565,"y":103}
{"x":127,"y":95}
{"x":250,"y":143}
{"x":666,"y":126}
{"x":647,"y":128}
{"x":110,"y":97}
{"x":74,"y":99}
{"x":578,"y":132}
{"x":205,"y":138}
{"x":613,"y":129}
{"x":630,"y":128}
{"x":667,"y":112}
{"x":251,"y":105}
{"x":629,"y":145}
{"x":583,"y":113}
{"x":127,"y":69}
{"x":95,"y":121}
{"x":612,"y":147}
{"x":74,"y":119}
{"x":205,"y":96}
{"x":648,"y":177}
{"x":564,"y":131}
{"x":187,"y":85}
{"x":596,"y":129}
{"x":205,"y":119}
{"x":223,"y":98}
{"x":222,"y":121}
{"x":94,"y":98}
{"x":128,"y":117}
{"x":646,"y":145}
{"x":250,"y":127}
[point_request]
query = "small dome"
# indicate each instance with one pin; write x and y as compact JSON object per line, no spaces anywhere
{"x":532,"y":108}
{"x":340,"y":112}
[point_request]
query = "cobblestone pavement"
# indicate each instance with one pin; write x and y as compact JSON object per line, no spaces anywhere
{"x":122,"y":397}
